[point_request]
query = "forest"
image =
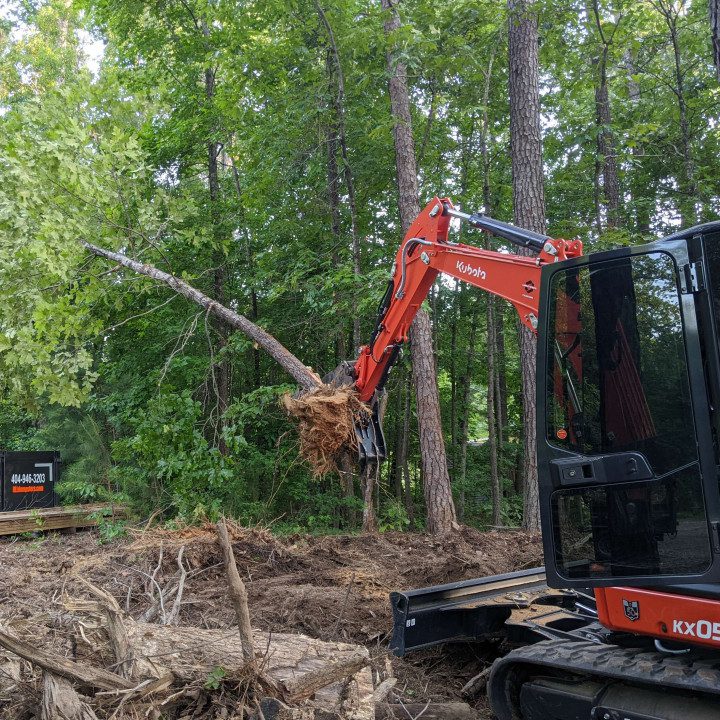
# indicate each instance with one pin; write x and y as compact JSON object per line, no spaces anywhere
{"x":270,"y":154}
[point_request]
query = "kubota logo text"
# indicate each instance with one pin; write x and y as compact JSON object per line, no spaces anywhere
{"x":702,"y":629}
{"x":470,"y":270}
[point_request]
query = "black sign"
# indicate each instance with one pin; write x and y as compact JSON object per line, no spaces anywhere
{"x":29,"y":479}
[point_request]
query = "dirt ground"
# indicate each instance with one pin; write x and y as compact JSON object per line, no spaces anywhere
{"x":331,"y":588}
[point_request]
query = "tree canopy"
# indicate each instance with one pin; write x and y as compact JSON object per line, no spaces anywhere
{"x":247,"y":148}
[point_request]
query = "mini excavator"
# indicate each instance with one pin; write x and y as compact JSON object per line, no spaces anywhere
{"x":623,"y":621}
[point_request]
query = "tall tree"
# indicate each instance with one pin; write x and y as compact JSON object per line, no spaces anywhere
{"x":671,"y":12}
{"x":528,"y":208}
{"x":714,"y":8}
{"x":606,"y":163}
{"x":339,"y":77}
{"x":441,"y":517}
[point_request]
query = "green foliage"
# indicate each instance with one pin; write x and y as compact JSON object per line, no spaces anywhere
{"x":109,"y":528}
{"x":215,"y":678}
{"x":123,"y":378}
{"x":393,"y":516}
{"x":169,"y":463}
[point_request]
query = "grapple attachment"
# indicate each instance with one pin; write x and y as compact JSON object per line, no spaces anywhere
{"x":368,"y":430}
{"x":370,"y":438}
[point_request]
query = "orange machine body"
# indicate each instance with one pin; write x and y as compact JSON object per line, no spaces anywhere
{"x":665,"y":616}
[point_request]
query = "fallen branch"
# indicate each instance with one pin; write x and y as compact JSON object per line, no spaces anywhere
{"x":383,"y":690}
{"x":306,"y":378}
{"x":124,"y":661}
{"x":58,"y":665}
{"x":476,"y":684}
{"x":172,"y":618}
{"x":238,"y":593}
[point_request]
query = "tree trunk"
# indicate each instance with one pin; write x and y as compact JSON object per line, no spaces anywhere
{"x":441,"y":517}
{"x":687,"y":182}
{"x":638,"y":186}
{"x":496,"y":383}
{"x":492,"y":415}
{"x":347,"y":470}
{"x":456,"y":309}
{"x":333,"y":182}
{"x":368,"y":481}
{"x":529,"y":207}
{"x":606,"y":151}
{"x":254,"y":310}
{"x":220,"y":369}
{"x":466,"y":383}
{"x":403,"y":458}
{"x":714,"y":7}
{"x":347,"y":171}
{"x":304,"y":376}
{"x":397,"y":473}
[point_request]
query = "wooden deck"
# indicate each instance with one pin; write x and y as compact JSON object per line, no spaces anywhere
{"x":15,"y":522}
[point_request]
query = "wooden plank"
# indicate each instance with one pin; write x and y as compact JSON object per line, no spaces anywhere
{"x":15,"y":522}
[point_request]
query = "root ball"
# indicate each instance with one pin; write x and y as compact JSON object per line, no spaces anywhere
{"x":326,"y":417}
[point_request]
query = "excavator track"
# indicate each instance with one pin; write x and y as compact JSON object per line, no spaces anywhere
{"x":561,"y":680}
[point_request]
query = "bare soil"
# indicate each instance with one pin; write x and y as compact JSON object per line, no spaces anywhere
{"x":331,"y":588}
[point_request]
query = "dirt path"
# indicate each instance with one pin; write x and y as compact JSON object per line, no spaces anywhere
{"x":332,"y":588}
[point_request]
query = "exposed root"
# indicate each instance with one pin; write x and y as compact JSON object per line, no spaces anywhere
{"x":326,"y":419}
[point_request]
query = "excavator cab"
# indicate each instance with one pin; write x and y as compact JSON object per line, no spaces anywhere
{"x":624,"y":619}
{"x":627,"y":445}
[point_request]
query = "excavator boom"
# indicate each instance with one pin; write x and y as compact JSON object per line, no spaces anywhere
{"x":427,"y":252}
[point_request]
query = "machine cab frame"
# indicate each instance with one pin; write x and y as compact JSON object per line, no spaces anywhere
{"x":627,"y":373}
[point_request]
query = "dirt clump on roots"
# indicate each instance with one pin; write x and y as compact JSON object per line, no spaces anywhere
{"x":326,"y":417}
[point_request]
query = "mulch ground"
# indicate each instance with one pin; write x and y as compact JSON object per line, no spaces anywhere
{"x":331,"y":588}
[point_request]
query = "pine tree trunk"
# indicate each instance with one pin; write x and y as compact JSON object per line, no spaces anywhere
{"x":403,"y":464}
{"x":606,"y":148}
{"x":396,"y":469}
{"x":333,"y":181}
{"x":688,"y":186}
{"x":254,"y":310}
{"x":456,"y":307}
{"x":607,"y":166}
{"x":220,"y":369}
{"x":529,"y":208}
{"x":346,"y":465}
{"x":638,"y":188}
{"x":347,"y":170}
{"x":714,"y":7}
{"x":441,"y":517}
{"x":491,"y":416}
{"x":466,"y":384}
{"x":687,"y":182}
{"x":439,"y":503}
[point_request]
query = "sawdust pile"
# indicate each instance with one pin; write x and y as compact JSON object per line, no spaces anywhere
{"x":326,"y":419}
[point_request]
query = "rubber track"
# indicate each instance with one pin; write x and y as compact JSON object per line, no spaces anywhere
{"x":631,"y":665}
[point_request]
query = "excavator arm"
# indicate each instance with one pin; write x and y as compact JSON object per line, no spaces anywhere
{"x":427,"y":252}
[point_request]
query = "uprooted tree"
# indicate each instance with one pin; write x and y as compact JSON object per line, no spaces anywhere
{"x":325,"y":414}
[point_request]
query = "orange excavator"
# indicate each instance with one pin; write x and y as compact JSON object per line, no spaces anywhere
{"x":623,"y":621}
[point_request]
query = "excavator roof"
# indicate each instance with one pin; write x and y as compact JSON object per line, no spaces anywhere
{"x":702,"y":229}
